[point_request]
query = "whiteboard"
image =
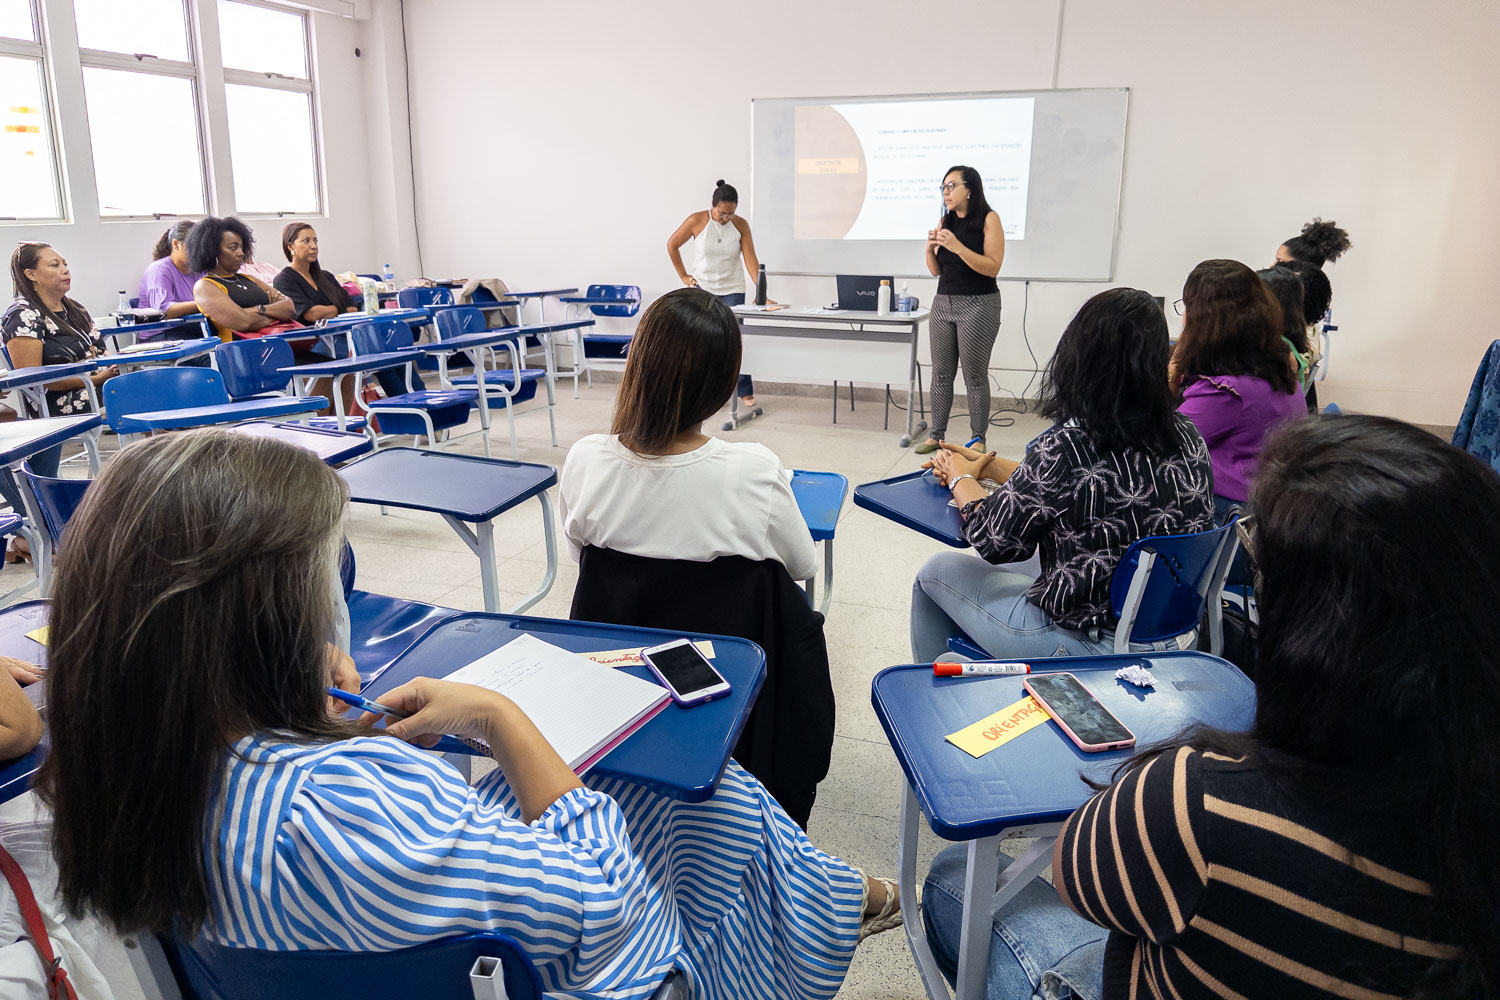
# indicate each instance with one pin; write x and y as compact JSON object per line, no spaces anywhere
{"x":1063,"y":227}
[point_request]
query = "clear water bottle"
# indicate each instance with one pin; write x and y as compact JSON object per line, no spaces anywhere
{"x":387,"y":275}
{"x":371,"y":296}
{"x":903,"y":301}
{"x":122,"y":310}
{"x":883,"y":298}
{"x":760,"y":286}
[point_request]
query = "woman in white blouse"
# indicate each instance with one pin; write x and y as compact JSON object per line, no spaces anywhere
{"x":660,"y":488}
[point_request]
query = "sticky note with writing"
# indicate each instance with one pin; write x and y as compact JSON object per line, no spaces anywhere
{"x":999,"y":729}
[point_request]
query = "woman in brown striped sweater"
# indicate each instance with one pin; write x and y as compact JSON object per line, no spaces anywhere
{"x":1345,"y":846}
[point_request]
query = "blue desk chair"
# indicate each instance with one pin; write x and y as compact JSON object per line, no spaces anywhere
{"x":820,"y":498}
{"x":621,"y":301}
{"x":510,"y":384}
{"x":418,"y":412}
{"x":251,"y":369}
{"x":382,"y":628}
{"x":416,"y":298}
{"x":1163,"y":587}
{"x":158,"y":399}
{"x":56,"y":499}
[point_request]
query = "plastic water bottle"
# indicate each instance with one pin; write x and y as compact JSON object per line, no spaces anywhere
{"x":122,"y":310}
{"x":760,"y":286}
{"x":387,"y":275}
{"x":883,"y":298}
{"x":903,"y":301}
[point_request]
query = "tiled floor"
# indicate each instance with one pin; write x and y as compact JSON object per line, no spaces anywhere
{"x":416,"y":556}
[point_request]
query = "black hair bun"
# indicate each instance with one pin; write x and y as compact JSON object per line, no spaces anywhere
{"x":719,"y":182}
{"x":1327,"y":238}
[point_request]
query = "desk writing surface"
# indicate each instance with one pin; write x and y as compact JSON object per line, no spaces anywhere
{"x":832,"y":315}
{"x":20,"y":439}
{"x":681,"y":752}
{"x":468,"y":487}
{"x":15,"y":622}
{"x":916,"y":501}
{"x":331,"y":446}
{"x":174,"y":350}
{"x":20,"y":378}
{"x":1034,"y":779}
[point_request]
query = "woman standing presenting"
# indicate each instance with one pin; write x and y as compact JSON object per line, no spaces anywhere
{"x":965,"y":254}
{"x":722,"y":239}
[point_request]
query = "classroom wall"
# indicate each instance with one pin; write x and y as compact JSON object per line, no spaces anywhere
{"x":106,"y":256}
{"x":563,"y":144}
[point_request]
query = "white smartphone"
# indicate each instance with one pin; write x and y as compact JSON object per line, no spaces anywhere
{"x":685,"y":672}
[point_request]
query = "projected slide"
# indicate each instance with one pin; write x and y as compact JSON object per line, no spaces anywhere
{"x":871,"y":171}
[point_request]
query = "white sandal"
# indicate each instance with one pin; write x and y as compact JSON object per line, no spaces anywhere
{"x":889,"y":915}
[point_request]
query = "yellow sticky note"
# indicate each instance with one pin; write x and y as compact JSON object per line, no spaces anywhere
{"x":631,"y":656}
{"x":39,"y":634}
{"x":999,"y":729}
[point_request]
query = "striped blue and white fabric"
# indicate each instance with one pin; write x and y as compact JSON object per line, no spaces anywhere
{"x":373,"y":845}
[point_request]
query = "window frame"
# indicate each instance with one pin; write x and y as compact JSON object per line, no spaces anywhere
{"x":280,"y":81}
{"x":148,"y":64}
{"x":37,"y":51}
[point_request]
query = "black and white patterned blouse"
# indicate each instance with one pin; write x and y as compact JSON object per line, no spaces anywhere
{"x":59,"y":346}
{"x":1084,"y":507}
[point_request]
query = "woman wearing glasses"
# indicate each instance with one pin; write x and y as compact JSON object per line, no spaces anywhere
{"x":964,"y":253}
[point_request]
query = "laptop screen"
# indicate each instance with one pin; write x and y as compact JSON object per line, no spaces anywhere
{"x":859,"y":291}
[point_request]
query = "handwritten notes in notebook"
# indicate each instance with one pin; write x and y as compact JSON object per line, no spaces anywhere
{"x":581,"y":707}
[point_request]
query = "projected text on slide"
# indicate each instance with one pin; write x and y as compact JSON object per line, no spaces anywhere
{"x":871,"y":171}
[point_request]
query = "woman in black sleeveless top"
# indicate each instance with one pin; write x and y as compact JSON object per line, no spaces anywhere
{"x":965,"y":254}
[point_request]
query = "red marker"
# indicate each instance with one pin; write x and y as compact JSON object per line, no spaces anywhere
{"x":979,"y":669}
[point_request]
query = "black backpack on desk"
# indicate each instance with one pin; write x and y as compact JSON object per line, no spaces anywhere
{"x":788,"y":738}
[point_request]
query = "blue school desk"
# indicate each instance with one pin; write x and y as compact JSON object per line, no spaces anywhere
{"x":168,"y":353}
{"x":681,"y":752}
{"x":916,"y":501}
{"x":333,"y":447}
{"x":469,"y":492}
{"x":1029,"y":786}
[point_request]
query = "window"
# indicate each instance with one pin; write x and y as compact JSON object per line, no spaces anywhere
{"x":139,"y":82}
{"x":28,"y":155}
{"x":273,"y":142}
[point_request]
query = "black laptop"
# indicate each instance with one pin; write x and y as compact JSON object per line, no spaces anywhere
{"x":859,"y":291}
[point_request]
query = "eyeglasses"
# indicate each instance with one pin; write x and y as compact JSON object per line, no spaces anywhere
{"x":1177,"y":307}
{"x":947,"y":188}
{"x":1242,"y":530}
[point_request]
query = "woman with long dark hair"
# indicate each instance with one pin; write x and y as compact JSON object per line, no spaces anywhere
{"x":315,"y":293}
{"x":232,"y":301}
{"x":167,"y":283}
{"x":660,"y":488}
{"x":1288,"y":291}
{"x":1118,"y":464}
{"x":1345,"y":845}
{"x":722,"y":240}
{"x":190,"y":624}
{"x":964,"y":253}
{"x":1232,"y":371}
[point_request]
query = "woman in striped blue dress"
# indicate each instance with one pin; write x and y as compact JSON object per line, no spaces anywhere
{"x":202,"y":784}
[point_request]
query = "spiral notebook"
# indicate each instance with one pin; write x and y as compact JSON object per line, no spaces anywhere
{"x":584,"y":709}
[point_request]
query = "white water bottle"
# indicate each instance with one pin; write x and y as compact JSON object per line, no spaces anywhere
{"x":388,"y":276}
{"x":883,"y":298}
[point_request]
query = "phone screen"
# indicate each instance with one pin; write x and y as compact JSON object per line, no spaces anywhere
{"x":1083,"y":713}
{"x":685,"y":669}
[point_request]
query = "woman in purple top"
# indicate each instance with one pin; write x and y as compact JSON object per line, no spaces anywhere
{"x":168,"y":282}
{"x":1232,"y":371}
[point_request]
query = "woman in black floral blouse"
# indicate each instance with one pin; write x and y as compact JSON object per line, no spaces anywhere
{"x":45,"y":327}
{"x":1119,"y":464}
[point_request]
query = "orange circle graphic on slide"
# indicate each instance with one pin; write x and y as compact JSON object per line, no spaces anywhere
{"x":830,"y":179}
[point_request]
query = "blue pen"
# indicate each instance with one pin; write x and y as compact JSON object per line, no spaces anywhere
{"x":445,"y":744}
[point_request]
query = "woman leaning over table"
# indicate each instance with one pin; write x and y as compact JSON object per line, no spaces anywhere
{"x":232,"y":301}
{"x":191,"y":617}
{"x":43,"y":326}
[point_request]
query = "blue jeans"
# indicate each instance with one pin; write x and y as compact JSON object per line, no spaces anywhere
{"x":747,"y":384}
{"x":960,"y":592}
{"x":1039,"y":947}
